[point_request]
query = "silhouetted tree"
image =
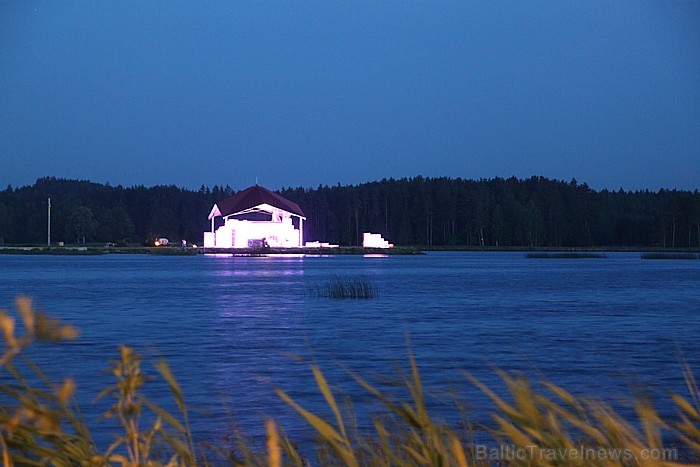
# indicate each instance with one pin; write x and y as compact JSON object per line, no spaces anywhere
{"x":82,"y":223}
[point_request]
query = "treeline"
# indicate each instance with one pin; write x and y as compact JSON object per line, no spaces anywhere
{"x":411,"y":211}
{"x":500,"y":212}
{"x":83,"y":211}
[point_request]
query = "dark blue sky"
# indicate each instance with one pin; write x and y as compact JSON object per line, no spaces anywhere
{"x":302,"y":93}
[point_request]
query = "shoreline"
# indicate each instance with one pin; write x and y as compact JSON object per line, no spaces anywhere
{"x":178,"y":251}
{"x":345,"y":250}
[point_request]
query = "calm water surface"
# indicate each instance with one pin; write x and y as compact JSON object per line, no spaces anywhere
{"x":230,"y":327}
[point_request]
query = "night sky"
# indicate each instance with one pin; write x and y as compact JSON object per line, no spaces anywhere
{"x":302,"y":93}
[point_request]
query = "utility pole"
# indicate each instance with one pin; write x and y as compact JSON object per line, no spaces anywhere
{"x":48,"y":236}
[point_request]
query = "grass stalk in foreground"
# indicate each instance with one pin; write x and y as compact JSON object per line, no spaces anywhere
{"x":41,"y":426}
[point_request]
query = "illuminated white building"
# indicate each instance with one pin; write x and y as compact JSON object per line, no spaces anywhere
{"x":256,"y":217}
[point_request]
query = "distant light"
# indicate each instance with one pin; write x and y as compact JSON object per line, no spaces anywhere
{"x":157,"y":243}
{"x":194,"y":246}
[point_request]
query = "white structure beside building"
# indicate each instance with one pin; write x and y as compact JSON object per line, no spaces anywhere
{"x":372,"y":240}
{"x":317,"y":244}
{"x":256,"y":217}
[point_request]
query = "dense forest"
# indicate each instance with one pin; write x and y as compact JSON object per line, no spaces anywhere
{"x":412,"y":211}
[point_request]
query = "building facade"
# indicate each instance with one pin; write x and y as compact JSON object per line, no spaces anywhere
{"x":256,"y":217}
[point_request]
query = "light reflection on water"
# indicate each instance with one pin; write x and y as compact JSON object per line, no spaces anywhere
{"x":229,"y":326}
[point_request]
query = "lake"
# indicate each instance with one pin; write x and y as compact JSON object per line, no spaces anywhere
{"x":234,"y":328}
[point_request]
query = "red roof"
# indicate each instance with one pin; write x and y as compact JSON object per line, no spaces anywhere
{"x":255,"y":196}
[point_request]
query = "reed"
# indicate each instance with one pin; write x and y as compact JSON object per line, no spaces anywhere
{"x":41,"y":425}
{"x":345,"y":287}
{"x":541,"y":425}
{"x":566,"y":255}
{"x":669,"y":256}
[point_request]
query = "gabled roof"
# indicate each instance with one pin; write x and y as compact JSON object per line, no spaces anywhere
{"x":255,"y":196}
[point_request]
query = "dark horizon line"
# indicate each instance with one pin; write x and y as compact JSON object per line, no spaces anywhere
{"x":573,"y":181}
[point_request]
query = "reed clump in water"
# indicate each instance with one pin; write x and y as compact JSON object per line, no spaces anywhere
{"x":669,"y":256}
{"x":565,"y":255}
{"x":344,"y":287}
{"x":537,"y":427}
